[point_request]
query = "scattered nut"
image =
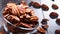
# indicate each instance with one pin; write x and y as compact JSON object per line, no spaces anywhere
{"x":41,"y":30}
{"x":54,"y":6}
{"x":57,"y":32}
{"x":53,"y":15}
{"x":45,"y":7}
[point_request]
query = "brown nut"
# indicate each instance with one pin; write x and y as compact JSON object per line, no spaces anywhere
{"x":15,"y":11}
{"x":28,"y":10}
{"x":45,"y":26}
{"x":57,"y":32}
{"x":44,"y":21}
{"x":27,"y":16}
{"x":17,"y":24}
{"x":45,"y":7}
{"x":13,"y":17}
{"x":4,"y":12}
{"x":41,"y":30}
{"x":32,"y":13}
{"x":31,"y":3}
{"x":58,"y":21}
{"x":9,"y":17}
{"x":53,"y":15}
{"x":26,"y":25}
{"x":7,"y":11}
{"x":21,"y":16}
{"x":14,"y":8}
{"x":12,"y":20}
{"x":6,"y":15}
{"x":21,"y":10}
{"x":54,"y":6}
{"x":36,"y":5}
{"x":34,"y":18}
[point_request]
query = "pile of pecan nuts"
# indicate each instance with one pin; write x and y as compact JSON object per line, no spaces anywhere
{"x":20,"y":15}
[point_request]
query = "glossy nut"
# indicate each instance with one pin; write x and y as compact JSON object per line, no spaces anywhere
{"x":13,"y":17}
{"x":45,"y":7}
{"x":36,"y":5}
{"x":58,"y":21}
{"x":54,"y":6}
{"x":57,"y":32}
{"x":33,"y":18}
{"x":41,"y":30}
{"x":53,"y":15}
{"x":44,"y":21}
{"x":6,"y":15}
{"x":25,"y":25}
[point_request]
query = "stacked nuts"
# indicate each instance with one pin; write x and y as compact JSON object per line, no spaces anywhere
{"x":20,"y":15}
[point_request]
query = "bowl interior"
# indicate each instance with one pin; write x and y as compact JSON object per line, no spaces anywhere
{"x":22,"y":27}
